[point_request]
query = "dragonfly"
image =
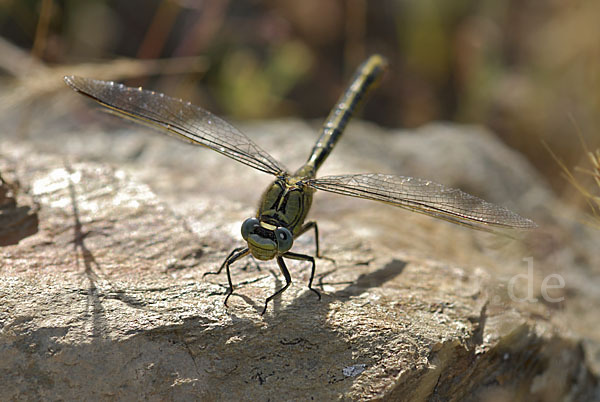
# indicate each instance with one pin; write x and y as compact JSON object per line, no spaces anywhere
{"x":284,"y":205}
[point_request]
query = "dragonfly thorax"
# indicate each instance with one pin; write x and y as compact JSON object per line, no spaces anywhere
{"x":281,"y":213}
{"x":266,"y":241}
{"x":286,"y":203}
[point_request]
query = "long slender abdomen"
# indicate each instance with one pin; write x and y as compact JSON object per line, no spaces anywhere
{"x":366,"y":76}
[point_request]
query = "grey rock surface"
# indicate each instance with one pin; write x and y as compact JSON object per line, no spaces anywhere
{"x":108,"y":301}
{"x":18,"y":213}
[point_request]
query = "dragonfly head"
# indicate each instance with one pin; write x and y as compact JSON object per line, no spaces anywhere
{"x":266,"y":241}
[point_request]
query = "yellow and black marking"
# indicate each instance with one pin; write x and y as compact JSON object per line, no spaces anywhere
{"x":366,"y":77}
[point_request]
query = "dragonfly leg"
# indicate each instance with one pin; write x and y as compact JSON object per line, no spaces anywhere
{"x":313,"y":225}
{"x":288,"y":281}
{"x":217,"y":272}
{"x":303,"y":257}
{"x":233,"y":257}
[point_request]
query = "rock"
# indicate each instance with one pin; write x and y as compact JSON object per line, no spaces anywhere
{"x":17,"y":219}
{"x":108,"y":301}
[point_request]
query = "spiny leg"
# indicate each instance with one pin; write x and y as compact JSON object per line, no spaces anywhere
{"x":313,"y":225}
{"x":228,"y":263}
{"x":288,"y":281}
{"x":231,"y":258}
{"x":304,"y":257}
{"x":217,"y":272}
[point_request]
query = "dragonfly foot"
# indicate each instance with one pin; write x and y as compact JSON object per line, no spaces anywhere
{"x":265,"y":308}
{"x":229,"y":293}
{"x":210,"y":273}
{"x":316,"y":292}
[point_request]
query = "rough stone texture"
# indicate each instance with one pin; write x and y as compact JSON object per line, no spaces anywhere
{"x":107,"y":299}
{"x":17,"y":219}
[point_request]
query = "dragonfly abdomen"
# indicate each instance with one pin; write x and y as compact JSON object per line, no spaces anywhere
{"x":364,"y":79}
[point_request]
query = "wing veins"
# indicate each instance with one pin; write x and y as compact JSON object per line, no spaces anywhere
{"x":191,"y":123}
{"x":444,"y":202}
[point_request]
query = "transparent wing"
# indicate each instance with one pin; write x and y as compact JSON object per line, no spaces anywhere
{"x":424,"y":197}
{"x":181,"y":119}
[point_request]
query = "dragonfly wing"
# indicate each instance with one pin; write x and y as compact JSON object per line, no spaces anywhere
{"x":179,"y":118}
{"x":425,"y":197}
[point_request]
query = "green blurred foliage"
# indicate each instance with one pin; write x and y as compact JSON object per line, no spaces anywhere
{"x":251,"y":87}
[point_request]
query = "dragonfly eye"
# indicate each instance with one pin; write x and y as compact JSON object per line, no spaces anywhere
{"x":284,"y":239}
{"x":248,"y":227}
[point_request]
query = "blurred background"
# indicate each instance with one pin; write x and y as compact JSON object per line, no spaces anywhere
{"x":527,"y":69}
